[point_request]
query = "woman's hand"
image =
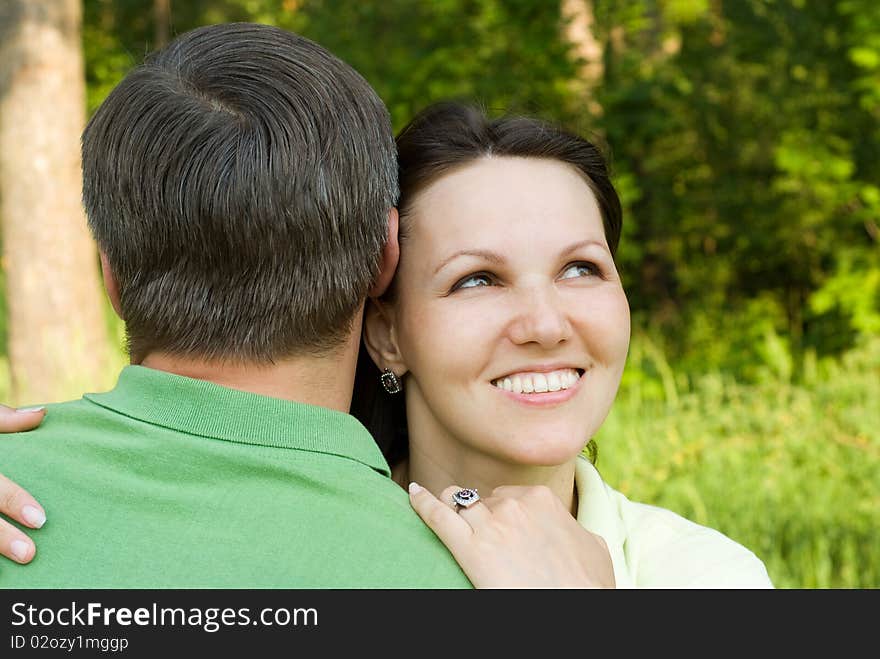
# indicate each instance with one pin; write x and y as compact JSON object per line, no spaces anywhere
{"x":15,"y":502}
{"x":519,"y":537}
{"x":27,"y":418}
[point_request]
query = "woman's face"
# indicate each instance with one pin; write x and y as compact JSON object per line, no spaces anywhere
{"x":510,"y":317}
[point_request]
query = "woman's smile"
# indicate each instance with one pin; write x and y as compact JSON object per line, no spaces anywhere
{"x":540,"y":385}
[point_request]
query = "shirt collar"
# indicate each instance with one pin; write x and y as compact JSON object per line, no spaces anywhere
{"x":205,"y":409}
{"x":598,"y":513}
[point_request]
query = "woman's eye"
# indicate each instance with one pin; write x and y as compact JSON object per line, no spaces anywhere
{"x":582,"y":269}
{"x":473,"y":281}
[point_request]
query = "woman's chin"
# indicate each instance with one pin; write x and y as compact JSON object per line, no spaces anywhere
{"x":546,"y":451}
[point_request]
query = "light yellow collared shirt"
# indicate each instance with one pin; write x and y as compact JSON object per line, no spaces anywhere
{"x":653,"y":547}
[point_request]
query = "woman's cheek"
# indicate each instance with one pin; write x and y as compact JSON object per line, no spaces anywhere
{"x":607,"y":326}
{"x":427,"y":339}
{"x":452,"y":341}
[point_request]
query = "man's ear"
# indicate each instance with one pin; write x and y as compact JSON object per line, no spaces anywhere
{"x":111,"y":285}
{"x":390,"y":257}
{"x":380,"y":338}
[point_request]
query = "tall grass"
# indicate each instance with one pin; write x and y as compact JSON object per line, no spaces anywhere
{"x":789,"y":469}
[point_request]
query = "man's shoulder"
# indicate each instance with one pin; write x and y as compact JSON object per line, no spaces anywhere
{"x":59,"y":419}
{"x":302,"y":517}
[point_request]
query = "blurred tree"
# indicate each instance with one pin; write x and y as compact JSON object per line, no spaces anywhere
{"x":579,"y":23}
{"x":162,"y":20}
{"x":57,"y":343}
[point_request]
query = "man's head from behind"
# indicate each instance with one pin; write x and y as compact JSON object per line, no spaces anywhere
{"x":238,"y":184}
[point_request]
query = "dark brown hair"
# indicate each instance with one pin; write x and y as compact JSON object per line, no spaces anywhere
{"x":444,"y":137}
{"x":239,"y":181}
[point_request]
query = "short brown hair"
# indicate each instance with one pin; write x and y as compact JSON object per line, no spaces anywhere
{"x":239,"y":181}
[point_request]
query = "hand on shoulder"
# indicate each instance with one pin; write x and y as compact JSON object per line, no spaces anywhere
{"x":15,"y":502}
{"x":518,"y":537}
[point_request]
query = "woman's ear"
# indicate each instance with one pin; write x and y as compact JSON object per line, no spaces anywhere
{"x":380,"y":338}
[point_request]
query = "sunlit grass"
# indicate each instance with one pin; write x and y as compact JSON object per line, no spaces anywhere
{"x":792,"y":471}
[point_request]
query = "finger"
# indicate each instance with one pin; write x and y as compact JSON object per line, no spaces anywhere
{"x":14,"y":544}
{"x":27,"y":418}
{"x":452,"y":530}
{"x":446,"y":497}
{"x":475,"y":514}
{"x":17,"y":503}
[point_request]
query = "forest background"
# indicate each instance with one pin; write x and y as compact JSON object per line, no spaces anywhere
{"x":744,"y":138}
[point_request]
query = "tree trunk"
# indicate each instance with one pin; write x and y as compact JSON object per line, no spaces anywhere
{"x":58,"y":345}
{"x":579,"y":25}
{"x":162,"y":22}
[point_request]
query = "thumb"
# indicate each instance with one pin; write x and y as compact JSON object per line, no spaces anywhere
{"x":19,"y":420}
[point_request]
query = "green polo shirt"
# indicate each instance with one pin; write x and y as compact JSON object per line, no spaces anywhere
{"x":171,"y":482}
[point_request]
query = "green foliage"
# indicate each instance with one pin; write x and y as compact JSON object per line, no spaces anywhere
{"x":506,"y":55}
{"x":864,"y":51}
{"x":853,"y":291}
{"x":750,"y":132}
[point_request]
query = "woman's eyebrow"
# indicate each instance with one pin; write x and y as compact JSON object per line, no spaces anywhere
{"x":584,"y":243}
{"x":492,"y":257}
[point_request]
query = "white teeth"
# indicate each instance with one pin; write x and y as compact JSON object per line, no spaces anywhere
{"x":540,"y":383}
{"x":527,"y":383}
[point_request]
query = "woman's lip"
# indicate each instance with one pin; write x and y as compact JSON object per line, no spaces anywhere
{"x":542,"y":399}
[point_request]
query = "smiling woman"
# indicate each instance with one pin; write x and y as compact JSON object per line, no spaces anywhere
{"x":505,"y":275}
{"x":509,"y":328}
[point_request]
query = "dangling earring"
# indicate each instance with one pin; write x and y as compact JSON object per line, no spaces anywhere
{"x":390,"y":382}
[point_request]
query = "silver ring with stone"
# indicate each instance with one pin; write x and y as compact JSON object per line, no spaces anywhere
{"x":465,"y":498}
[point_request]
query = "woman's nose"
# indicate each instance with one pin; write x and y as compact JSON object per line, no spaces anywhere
{"x":540,"y":317}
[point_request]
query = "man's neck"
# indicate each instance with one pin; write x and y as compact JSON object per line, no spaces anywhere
{"x":325,"y":381}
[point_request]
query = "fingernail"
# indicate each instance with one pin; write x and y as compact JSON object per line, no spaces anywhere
{"x":33,"y":516}
{"x":20,"y":549}
{"x":415,"y":488}
{"x":31,"y":410}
